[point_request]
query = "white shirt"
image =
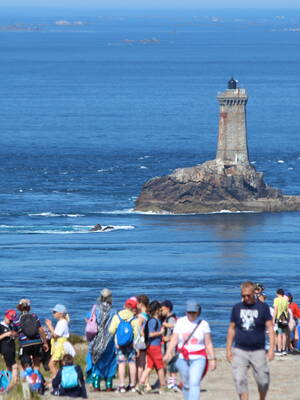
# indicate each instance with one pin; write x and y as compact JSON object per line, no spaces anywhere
{"x":62,"y":328}
{"x":184,"y":327}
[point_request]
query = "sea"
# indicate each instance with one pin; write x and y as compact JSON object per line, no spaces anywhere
{"x":96,"y":102}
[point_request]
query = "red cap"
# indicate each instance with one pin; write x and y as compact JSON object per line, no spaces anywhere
{"x":11,"y":315}
{"x":131,"y":303}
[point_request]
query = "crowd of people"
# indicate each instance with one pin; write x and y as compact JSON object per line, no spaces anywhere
{"x":143,"y":337}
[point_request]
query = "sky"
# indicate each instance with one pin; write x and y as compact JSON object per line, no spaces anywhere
{"x":272,"y":4}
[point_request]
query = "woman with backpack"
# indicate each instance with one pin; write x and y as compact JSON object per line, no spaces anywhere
{"x":101,"y":362}
{"x":31,"y":334}
{"x":60,"y":335}
{"x":195,"y":350}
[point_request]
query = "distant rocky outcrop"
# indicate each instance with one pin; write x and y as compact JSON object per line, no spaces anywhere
{"x":230,"y":182}
{"x":211,"y":187}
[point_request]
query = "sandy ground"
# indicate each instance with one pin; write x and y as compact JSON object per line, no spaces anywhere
{"x":285,"y":374}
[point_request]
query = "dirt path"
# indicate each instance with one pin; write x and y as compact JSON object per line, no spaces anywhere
{"x":285,"y":374}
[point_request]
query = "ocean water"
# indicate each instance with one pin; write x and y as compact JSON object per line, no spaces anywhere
{"x":90,"y":112}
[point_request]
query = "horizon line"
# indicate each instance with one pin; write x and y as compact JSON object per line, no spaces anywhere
{"x":146,"y":8}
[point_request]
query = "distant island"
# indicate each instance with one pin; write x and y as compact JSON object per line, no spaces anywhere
{"x":230,"y":182}
{"x":69,"y":23}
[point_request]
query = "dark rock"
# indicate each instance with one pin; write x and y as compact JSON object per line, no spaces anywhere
{"x":212,"y":187}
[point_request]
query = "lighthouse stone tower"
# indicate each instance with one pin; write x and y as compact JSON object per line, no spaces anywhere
{"x":232,"y":142}
{"x":229,"y":182}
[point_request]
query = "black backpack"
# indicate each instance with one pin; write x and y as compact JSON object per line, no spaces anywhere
{"x":146,"y":330}
{"x":29,"y":325}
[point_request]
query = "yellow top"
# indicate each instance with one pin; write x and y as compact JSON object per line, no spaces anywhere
{"x":282,"y":306}
{"x":125,"y":314}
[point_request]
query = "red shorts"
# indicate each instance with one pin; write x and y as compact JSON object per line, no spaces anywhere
{"x":154,"y":357}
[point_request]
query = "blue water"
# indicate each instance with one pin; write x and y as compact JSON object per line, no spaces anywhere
{"x":87,"y":117}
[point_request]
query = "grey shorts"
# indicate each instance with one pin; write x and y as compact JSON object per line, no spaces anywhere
{"x":242,"y":361}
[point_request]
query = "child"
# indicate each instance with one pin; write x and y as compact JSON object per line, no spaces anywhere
{"x":46,"y":355}
{"x":60,"y":335}
{"x":153,"y":335}
{"x":7,"y":344}
{"x":69,"y":380}
{"x":142,"y":318}
{"x":169,"y":321}
{"x":32,"y":377}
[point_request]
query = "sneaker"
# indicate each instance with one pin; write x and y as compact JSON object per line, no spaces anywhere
{"x":140,"y":388}
{"x":277,"y":353}
{"x":176,"y":389}
{"x":132,"y":389}
{"x":283,"y":353}
{"x":121,"y":389}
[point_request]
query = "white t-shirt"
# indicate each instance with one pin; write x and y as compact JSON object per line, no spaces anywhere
{"x":62,"y":328}
{"x":183,"y":328}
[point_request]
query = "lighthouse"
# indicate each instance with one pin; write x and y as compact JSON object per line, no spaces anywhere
{"x":232,"y":147}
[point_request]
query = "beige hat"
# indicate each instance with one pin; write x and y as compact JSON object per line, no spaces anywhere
{"x":24,"y":302}
{"x":106,"y":293}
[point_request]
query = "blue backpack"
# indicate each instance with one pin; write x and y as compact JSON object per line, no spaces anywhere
{"x":69,"y":377}
{"x":124,"y":332}
{"x":5,"y":379}
{"x":34,"y":379}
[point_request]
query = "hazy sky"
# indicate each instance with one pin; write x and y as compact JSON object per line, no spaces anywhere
{"x":153,"y":3}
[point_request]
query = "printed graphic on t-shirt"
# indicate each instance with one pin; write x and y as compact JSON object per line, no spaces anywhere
{"x":248,"y":319}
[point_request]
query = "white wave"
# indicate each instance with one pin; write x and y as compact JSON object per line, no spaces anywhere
{"x":187,"y":214}
{"x":52,"y":232}
{"x":124,"y":227}
{"x":44,"y":214}
{"x":156,"y":213}
{"x":143,"y":167}
{"x":290,"y":168}
{"x":125,"y":211}
{"x":143,"y":157}
{"x":51,"y":214}
{"x":163,"y":212}
{"x":105,"y":169}
{"x":75,"y":229}
{"x":281,"y":161}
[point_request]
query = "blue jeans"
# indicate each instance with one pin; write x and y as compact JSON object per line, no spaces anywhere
{"x":191,"y":373}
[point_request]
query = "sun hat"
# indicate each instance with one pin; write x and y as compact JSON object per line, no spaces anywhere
{"x":60,"y":308}
{"x":11,"y":315}
{"x":104,"y":294}
{"x":131,"y":303}
{"x":24,"y":302}
{"x":168,"y":304}
{"x":192,"y":306}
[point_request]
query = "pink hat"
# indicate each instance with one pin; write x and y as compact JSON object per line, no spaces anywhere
{"x":131,"y":303}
